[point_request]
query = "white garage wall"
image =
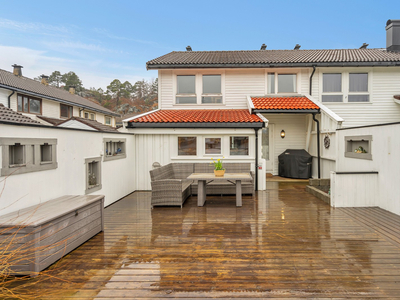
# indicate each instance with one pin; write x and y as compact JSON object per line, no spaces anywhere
{"x":73,"y":147}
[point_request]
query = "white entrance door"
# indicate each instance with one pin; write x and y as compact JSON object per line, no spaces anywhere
{"x":267,"y":147}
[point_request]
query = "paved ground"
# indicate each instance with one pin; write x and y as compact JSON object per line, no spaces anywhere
{"x":283,"y":243}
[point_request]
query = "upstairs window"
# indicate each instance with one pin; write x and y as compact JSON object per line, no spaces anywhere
{"x":28,"y":104}
{"x":66,"y":111}
{"x":92,"y":116}
{"x":281,"y":83}
{"x":358,"y":87}
{"x":186,"y":89}
{"x":332,"y":87}
{"x":107,"y":120}
{"x":211,"y":89}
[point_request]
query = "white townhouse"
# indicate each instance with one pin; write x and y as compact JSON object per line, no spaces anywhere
{"x":47,"y":104}
{"x":250,"y":106}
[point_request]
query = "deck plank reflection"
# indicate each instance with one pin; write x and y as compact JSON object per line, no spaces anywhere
{"x":282,"y":243}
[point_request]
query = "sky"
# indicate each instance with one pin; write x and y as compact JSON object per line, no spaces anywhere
{"x":105,"y":40}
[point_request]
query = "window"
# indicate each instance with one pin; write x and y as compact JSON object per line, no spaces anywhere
{"x":24,"y":155}
{"x":332,"y":87}
{"x":66,"y":111}
{"x":187,"y":146}
{"x":211,"y":89}
{"x":213,"y":145}
{"x":239,"y":145}
{"x":287,"y":83}
{"x":28,"y":104}
{"x":17,"y":155}
{"x":92,"y":116}
{"x":358,"y":86}
{"x":114,"y":149}
{"x":108,"y":120}
{"x":93,"y":174}
{"x":186,"y":89}
{"x":345,"y":87}
{"x":86,"y":115}
{"x":283,"y":83}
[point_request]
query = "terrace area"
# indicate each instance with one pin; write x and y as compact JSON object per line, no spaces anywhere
{"x":282,"y":243}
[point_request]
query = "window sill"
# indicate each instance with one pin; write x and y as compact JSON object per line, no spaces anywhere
{"x":93,"y":189}
{"x":114,"y":157}
{"x":17,"y":166}
{"x":46,"y":162}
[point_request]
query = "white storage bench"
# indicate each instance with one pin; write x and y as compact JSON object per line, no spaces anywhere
{"x":41,"y":234}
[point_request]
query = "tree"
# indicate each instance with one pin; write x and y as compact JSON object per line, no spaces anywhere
{"x":119,"y":90}
{"x":71,"y":79}
{"x":55,"y":78}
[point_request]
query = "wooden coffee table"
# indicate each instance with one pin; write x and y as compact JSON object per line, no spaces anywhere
{"x":205,"y":178}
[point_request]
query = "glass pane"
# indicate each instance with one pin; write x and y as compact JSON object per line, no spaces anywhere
{"x":34,"y":106}
{"x":185,"y":100}
{"x":92,"y":116}
{"x":216,"y":99}
{"x":86,"y":115}
{"x":71,"y":112}
{"x":187,"y":146}
{"x":19,"y":103}
{"x":212,"y":84}
{"x":239,"y":145}
{"x":265,"y":143}
{"x":64,"y":111}
{"x":108,"y":121}
{"x":358,"y":82}
{"x":271,"y":83}
{"x":213,"y":145}
{"x":332,"y":83}
{"x":358,"y":98}
{"x":26,"y":104}
{"x":186,"y":84}
{"x":287,"y":83}
{"x":332,"y":98}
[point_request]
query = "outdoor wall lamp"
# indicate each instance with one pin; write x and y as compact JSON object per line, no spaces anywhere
{"x":283,"y":134}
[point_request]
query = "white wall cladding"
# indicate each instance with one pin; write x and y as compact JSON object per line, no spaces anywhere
{"x":381,"y":109}
{"x":383,"y":189}
{"x":4,"y":96}
{"x":161,"y":146}
{"x":50,"y":109}
{"x":166,"y":99}
{"x":73,"y":147}
{"x":296,"y":132}
{"x":241,"y":83}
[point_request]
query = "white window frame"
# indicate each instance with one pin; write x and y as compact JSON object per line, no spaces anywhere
{"x":248,"y":149}
{"x":32,"y":155}
{"x":114,"y":156}
{"x":282,"y":72}
{"x":105,"y":120}
{"x":346,"y":84}
{"x":212,"y":137}
{"x":198,"y":86}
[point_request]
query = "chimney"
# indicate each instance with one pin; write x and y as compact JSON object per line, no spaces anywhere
{"x":71,"y":89}
{"x":17,"y":70}
{"x":263,"y":47}
{"x":297,"y":47}
{"x":393,"y":35}
{"x":364,"y":46}
{"x":188,"y":48}
{"x":45,"y":79}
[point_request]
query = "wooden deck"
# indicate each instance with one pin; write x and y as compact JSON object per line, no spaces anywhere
{"x":282,"y":243}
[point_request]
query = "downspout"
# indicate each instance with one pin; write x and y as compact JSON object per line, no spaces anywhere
{"x":9,"y":98}
{"x":256,"y":174}
{"x":311,"y":77}
{"x":318,"y":147}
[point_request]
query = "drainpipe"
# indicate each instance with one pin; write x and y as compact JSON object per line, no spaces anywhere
{"x":312,"y":74}
{"x":318,"y":150}
{"x":9,"y":99}
{"x":256,"y":174}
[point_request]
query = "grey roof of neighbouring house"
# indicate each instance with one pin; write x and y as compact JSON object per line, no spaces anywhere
{"x":10,"y":116}
{"x":92,"y":123}
{"x":35,"y":88}
{"x":52,"y":121}
{"x":275,"y":58}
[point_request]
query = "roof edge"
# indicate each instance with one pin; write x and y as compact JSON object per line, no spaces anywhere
{"x":197,"y":125}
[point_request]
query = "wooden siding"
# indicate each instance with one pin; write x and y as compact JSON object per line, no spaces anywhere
{"x":167,"y":98}
{"x":296,"y":132}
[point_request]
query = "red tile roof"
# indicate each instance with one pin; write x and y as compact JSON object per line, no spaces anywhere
{"x":199,"y":116}
{"x":283,"y":103}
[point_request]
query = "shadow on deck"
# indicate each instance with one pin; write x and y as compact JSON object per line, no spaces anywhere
{"x":283,"y":243}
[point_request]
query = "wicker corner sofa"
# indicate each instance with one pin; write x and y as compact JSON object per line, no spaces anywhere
{"x":169,"y":186}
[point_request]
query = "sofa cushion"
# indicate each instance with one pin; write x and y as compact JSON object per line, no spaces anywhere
{"x":164,"y":172}
{"x":182,"y":170}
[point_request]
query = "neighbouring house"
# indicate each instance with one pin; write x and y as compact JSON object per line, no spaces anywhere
{"x":47,"y":104}
{"x":250,"y":106}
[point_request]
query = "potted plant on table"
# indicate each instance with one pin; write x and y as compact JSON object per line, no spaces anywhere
{"x":219,"y":170}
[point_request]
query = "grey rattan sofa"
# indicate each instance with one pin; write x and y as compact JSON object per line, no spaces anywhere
{"x":170,"y":187}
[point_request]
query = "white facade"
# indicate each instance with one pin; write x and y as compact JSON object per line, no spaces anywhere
{"x":69,"y":178}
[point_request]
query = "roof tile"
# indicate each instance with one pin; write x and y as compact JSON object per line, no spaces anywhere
{"x":10,"y":116}
{"x":284,"y":103}
{"x":199,"y":116}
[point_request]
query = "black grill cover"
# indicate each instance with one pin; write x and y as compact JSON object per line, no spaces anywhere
{"x":295,"y":163}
